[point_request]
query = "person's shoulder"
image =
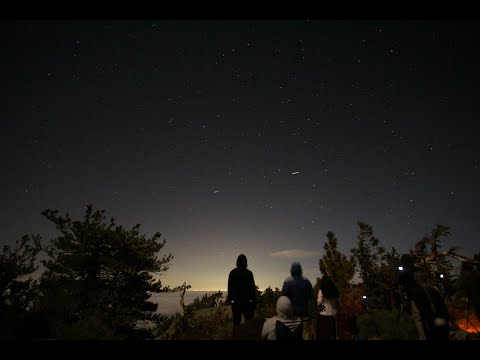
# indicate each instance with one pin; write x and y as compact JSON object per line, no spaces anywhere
{"x":307,"y":280}
{"x":270,"y":319}
{"x":269,"y":323}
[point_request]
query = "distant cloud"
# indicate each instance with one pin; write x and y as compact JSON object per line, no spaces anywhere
{"x":295,"y":253}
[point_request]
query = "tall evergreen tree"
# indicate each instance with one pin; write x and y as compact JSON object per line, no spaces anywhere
{"x":369,"y":255}
{"x":337,"y":265}
{"x":99,"y":277}
{"x":391,"y":296}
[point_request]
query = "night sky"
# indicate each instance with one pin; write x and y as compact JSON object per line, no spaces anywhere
{"x":254,"y":137}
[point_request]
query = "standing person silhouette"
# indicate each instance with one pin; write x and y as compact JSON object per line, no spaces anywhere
{"x":241,"y":293}
{"x":327,"y":302}
{"x":300,"y":292}
{"x":421,"y":308}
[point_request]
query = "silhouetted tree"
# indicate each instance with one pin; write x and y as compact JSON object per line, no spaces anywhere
{"x":268,"y":297}
{"x":99,"y":277}
{"x":432,"y":261}
{"x":17,"y":289}
{"x":337,"y":265}
{"x":206,"y":301}
{"x":269,"y":301}
{"x":390,"y":295}
{"x":182,"y":289}
{"x":369,"y":255}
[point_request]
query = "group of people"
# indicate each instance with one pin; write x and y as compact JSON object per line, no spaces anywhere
{"x":292,"y":320}
{"x":425,"y":302}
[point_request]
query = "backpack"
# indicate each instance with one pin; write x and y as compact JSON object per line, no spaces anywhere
{"x":283,"y":332}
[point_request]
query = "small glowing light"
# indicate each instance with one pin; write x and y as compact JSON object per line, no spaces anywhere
{"x":441,"y":276}
{"x":364,"y":297}
{"x":400,"y":268}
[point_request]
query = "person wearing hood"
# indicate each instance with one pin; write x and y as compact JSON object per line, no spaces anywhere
{"x":241,"y":292}
{"x":270,"y":330}
{"x":300,"y":292}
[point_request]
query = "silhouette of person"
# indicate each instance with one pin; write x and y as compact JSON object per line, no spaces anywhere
{"x":441,"y":325}
{"x":300,"y":292}
{"x":427,"y":307}
{"x":327,"y":302}
{"x":241,"y":292}
{"x":272,"y":330}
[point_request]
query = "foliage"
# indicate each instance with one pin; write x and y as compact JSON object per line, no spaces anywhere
{"x":17,"y":289}
{"x":387,"y":325}
{"x":369,"y":255}
{"x":268,"y":302}
{"x":431,"y":262}
{"x":211,"y":323}
{"x":182,"y":289}
{"x":337,"y":265}
{"x":388,"y":292}
{"x":205,"y":318}
{"x":100,"y":276}
{"x":205,"y":302}
{"x":169,"y":327}
{"x":352,"y":301}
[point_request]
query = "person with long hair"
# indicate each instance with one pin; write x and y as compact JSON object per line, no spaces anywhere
{"x":328,"y":303}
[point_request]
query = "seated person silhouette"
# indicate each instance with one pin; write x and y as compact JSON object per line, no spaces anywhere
{"x":284,"y":326}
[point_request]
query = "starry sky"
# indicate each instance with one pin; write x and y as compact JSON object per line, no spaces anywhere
{"x":243,"y":136}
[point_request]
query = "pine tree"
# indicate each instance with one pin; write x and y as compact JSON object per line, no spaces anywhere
{"x":17,"y":288}
{"x":369,"y":255}
{"x":388,"y":280}
{"x":99,"y":277}
{"x":337,"y":265}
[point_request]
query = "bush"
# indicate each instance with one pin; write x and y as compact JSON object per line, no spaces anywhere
{"x":387,"y":325}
